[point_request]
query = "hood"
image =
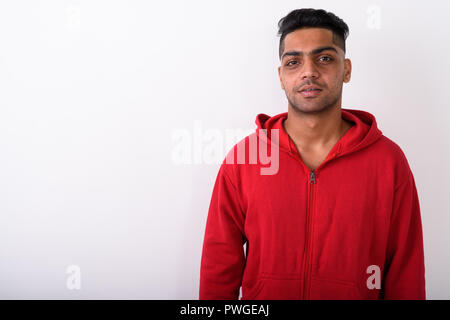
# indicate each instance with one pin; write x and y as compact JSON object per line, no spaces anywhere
{"x":363,"y":132}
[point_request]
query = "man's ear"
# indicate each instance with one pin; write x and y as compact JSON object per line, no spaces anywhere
{"x":347,"y":70}
{"x":279,"y":75}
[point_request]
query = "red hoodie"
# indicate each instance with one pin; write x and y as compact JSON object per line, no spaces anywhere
{"x":351,"y":229}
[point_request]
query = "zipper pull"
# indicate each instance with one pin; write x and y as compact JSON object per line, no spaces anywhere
{"x":312,"y":177}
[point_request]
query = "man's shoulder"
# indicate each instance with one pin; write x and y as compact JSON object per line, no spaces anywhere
{"x":390,"y":148}
{"x":240,"y":149}
{"x":253,"y":154}
{"x":391,"y":153}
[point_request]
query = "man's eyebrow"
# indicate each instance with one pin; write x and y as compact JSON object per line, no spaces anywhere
{"x":301,"y":53}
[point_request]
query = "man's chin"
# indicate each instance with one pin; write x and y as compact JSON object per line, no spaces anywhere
{"x":310,"y":108}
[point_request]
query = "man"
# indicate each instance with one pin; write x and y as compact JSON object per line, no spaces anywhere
{"x":340,"y":218}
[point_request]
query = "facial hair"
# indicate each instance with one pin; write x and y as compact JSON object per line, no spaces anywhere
{"x":328,"y":102}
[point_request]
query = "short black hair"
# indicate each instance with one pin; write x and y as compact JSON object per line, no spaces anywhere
{"x":313,"y":18}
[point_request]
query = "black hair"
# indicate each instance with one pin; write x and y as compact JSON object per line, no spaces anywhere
{"x":313,"y":18}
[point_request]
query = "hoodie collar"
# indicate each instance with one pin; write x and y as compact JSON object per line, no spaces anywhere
{"x":364,"y":132}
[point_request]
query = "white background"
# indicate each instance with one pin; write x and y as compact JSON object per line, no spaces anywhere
{"x":92,"y":93}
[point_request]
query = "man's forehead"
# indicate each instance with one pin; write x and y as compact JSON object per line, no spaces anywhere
{"x":309,"y":37}
{"x":310,"y":41}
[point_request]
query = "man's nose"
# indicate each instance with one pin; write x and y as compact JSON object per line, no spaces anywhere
{"x":309,"y":70}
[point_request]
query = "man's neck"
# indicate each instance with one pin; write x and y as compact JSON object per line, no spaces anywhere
{"x":311,"y":131}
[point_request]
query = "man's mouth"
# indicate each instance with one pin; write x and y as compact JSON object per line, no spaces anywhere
{"x":310,"y":92}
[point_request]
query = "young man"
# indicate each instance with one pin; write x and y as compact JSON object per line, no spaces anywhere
{"x":339,"y":218}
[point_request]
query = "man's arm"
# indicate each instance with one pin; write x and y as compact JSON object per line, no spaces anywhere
{"x":404,"y":275}
{"x":223,"y":258}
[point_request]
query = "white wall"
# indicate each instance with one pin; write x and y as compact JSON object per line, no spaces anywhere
{"x":95,"y":94}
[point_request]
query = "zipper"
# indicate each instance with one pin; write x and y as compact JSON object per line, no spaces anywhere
{"x":312,"y":177}
{"x":312,"y":182}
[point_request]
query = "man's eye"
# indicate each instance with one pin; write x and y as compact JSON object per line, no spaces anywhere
{"x":289,"y":63}
{"x":328,"y":59}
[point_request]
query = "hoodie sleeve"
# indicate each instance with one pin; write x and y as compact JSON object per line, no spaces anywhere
{"x":223,"y":257}
{"x":404,"y":275}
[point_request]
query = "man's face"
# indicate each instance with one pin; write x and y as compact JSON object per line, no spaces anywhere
{"x":305,"y":63}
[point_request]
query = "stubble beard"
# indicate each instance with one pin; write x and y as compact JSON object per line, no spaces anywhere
{"x":316,"y":105}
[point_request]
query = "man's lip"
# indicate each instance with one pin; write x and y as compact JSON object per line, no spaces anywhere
{"x":310,"y":94}
{"x":309,"y":88}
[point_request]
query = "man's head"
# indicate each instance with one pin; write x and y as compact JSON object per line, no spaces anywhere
{"x":312,"y":53}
